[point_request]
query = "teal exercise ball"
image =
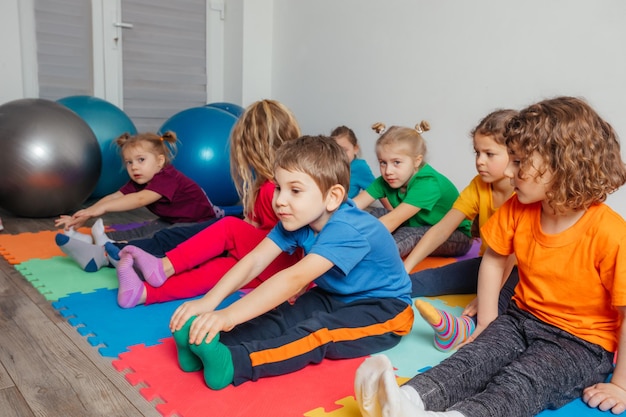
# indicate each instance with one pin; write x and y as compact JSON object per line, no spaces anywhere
{"x":203,"y":150}
{"x":50,"y":159}
{"x":108,"y":122}
{"x":231,"y":108}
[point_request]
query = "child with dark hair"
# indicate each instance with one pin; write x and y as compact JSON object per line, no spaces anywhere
{"x":360,"y":304}
{"x":360,"y":173}
{"x":477,"y":202}
{"x":558,"y":339}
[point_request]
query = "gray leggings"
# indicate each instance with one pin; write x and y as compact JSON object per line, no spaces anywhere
{"x":517,"y":367}
{"x":407,"y":237}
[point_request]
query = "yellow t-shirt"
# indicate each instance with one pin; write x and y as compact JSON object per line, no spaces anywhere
{"x":476,"y":200}
{"x":572,"y":279}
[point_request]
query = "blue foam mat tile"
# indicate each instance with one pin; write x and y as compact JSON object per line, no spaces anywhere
{"x":98,"y":317}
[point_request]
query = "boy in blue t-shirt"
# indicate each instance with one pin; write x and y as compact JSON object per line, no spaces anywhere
{"x":361,"y":301}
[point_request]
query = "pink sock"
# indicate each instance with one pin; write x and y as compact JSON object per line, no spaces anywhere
{"x":131,"y":286}
{"x":150,"y":266}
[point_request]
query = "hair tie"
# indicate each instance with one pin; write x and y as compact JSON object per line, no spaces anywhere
{"x":419,"y":129}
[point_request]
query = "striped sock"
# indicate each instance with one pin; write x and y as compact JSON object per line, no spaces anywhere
{"x":450,"y":331}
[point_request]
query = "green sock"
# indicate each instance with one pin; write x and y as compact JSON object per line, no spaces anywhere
{"x":187,"y":360}
{"x":217,"y":361}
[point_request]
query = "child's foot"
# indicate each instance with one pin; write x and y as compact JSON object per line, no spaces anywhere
{"x":131,"y":287}
{"x":150,"y":266}
{"x":393,"y":403}
{"x":450,"y":331}
{"x":366,"y":384}
{"x":217,"y":361}
{"x":77,"y":235}
{"x":113,"y":253}
{"x":187,"y":360}
{"x":90,"y":257}
{"x":97,"y":231}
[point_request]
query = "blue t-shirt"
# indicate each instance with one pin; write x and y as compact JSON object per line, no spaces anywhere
{"x":360,"y":177}
{"x":365,"y":257}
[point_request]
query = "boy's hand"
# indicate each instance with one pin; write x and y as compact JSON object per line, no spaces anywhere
{"x":606,"y":396}
{"x":184,"y":312}
{"x":472,"y":308}
{"x":478,"y":330}
{"x":207,"y":325}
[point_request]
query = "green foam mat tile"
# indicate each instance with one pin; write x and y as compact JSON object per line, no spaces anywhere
{"x":59,"y":276}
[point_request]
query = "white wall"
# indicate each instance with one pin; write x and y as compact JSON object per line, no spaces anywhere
{"x":11,"y":81}
{"x":356,"y":62}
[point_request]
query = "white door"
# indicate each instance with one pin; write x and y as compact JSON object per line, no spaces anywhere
{"x":148,"y":57}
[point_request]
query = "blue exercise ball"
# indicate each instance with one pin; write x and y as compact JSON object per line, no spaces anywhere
{"x":108,"y":122}
{"x":50,"y":159}
{"x":203,"y":150}
{"x":231,"y":108}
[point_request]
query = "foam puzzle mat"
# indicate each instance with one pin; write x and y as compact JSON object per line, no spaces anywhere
{"x":141,"y":347}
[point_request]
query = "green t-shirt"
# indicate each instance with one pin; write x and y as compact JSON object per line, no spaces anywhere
{"x":429,"y":190}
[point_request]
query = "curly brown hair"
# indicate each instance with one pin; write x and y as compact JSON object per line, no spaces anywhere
{"x":578,"y":147}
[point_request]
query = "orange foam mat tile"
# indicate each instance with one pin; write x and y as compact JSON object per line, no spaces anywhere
{"x":26,"y":246}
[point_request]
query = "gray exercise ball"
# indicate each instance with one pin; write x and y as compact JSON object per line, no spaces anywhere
{"x":50,"y":159}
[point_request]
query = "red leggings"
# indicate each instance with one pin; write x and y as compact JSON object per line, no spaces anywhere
{"x":202,"y":260}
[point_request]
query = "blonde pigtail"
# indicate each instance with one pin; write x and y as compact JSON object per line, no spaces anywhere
{"x":422,"y":127}
{"x":122,"y":139}
{"x":379,"y":127}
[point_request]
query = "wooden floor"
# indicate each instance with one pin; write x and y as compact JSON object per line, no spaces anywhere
{"x":46,"y":367}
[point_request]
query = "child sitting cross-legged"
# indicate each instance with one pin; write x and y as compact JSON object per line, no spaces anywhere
{"x":360,"y":304}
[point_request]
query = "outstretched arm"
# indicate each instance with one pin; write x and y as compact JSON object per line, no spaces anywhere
{"x":433,"y":238}
{"x":363,"y":200}
{"x":276,"y":290}
{"x":398,"y":215}
{"x":114,"y":202}
{"x":611,"y":395}
{"x":490,"y":274}
{"x":249,"y":267}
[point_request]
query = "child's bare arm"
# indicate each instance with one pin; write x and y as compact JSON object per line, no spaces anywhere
{"x":398,"y":215}
{"x":433,"y":238}
{"x":363,"y":200}
{"x":611,"y":395}
{"x":249,"y":267}
{"x":276,"y":290}
{"x":81,"y":216}
{"x":123,"y":202}
{"x":490,"y":274}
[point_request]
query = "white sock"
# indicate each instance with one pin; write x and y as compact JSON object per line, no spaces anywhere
{"x":77,"y":235}
{"x":97,"y":231}
{"x":399,"y":402}
{"x":366,"y":384}
{"x":413,"y":396}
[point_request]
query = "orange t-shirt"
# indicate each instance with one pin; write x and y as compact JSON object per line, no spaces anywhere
{"x":572,"y":280}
